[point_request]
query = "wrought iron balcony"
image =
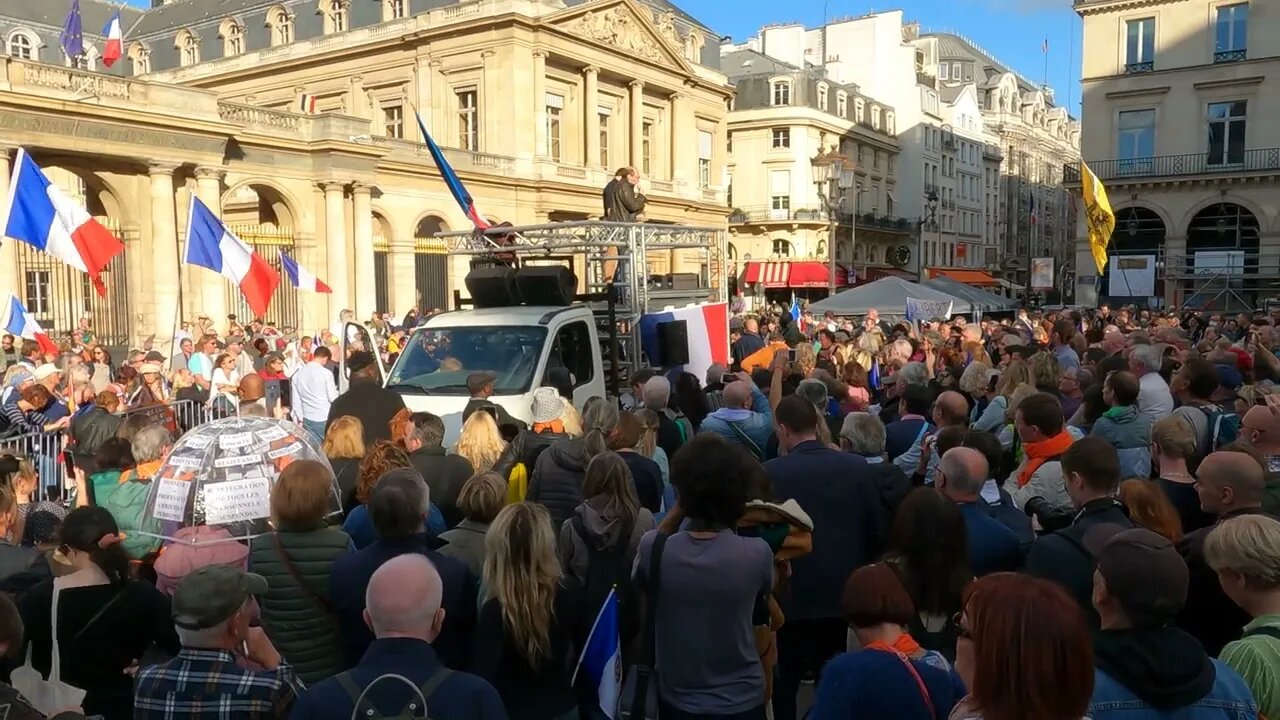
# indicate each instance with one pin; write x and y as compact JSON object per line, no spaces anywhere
{"x":1251,"y":161}
{"x":1139,"y":67}
{"x":874,"y":221}
{"x":1226,"y":56}
{"x":764,"y":213}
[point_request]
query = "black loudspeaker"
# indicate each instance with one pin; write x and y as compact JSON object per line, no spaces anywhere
{"x":546,"y":285}
{"x":673,"y":343}
{"x":684,"y":281}
{"x":492,"y":287}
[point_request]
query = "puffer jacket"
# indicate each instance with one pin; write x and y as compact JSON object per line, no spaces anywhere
{"x":603,"y":531}
{"x":90,"y":430}
{"x":525,"y":448}
{"x":556,"y":480}
{"x":127,"y":503}
{"x":1129,"y":431}
{"x":300,"y":621}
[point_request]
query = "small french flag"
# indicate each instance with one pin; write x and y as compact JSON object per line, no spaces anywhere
{"x":40,"y":214}
{"x":307,"y":104}
{"x":300,"y":277}
{"x":22,"y":324}
{"x":211,"y":245}
{"x":114,"y":48}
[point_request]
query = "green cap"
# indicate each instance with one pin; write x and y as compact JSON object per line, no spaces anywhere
{"x":213,"y":593}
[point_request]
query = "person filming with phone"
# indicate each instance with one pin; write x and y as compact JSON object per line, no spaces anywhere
{"x":746,"y":418}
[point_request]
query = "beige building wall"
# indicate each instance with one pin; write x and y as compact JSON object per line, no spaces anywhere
{"x":1165,"y":175}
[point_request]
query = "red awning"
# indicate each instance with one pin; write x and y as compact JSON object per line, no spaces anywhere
{"x":968,"y":277}
{"x":797,"y":274}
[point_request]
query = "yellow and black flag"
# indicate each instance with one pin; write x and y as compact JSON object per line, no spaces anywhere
{"x":1098,"y":214}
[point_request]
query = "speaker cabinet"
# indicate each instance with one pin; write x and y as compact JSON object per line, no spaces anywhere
{"x":546,"y":285}
{"x":492,"y":287}
{"x":673,"y":343}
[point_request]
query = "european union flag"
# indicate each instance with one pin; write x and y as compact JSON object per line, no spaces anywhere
{"x":72,"y":36}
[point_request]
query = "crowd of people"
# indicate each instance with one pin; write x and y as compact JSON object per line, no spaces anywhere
{"x":1055,"y":516}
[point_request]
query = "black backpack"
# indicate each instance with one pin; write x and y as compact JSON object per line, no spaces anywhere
{"x":607,"y":570}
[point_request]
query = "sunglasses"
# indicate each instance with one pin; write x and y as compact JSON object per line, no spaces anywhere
{"x":958,"y":627}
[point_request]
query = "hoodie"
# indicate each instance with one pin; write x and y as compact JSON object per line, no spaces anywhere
{"x":604,"y":530}
{"x":1129,"y":432}
{"x":556,"y":480}
{"x":1164,"y":667}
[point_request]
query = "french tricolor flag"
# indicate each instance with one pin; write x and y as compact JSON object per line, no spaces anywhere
{"x":211,"y":245}
{"x":22,"y":324}
{"x":707,"y":326}
{"x":114,"y":48}
{"x":300,"y":277}
{"x":456,"y":188}
{"x":40,"y":214}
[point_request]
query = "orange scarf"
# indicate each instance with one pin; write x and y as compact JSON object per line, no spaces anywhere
{"x":905,"y":644}
{"x":554,"y":426}
{"x":1038,"y":453}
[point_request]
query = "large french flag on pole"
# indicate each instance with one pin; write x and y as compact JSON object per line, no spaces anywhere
{"x":21,"y":324}
{"x":211,"y":245}
{"x":300,"y":277}
{"x":456,"y":188}
{"x":601,"y":659}
{"x":113,"y":50}
{"x":707,"y":327}
{"x":40,"y":214}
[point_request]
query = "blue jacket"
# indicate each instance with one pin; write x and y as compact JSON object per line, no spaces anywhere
{"x":461,"y":696}
{"x":349,"y":579}
{"x":756,"y":423}
{"x":900,"y":436}
{"x":993,"y":547}
{"x":359,"y":526}
{"x":839,"y":493}
{"x":875,"y":684}
{"x":1230,"y":699}
{"x":1130,"y":433}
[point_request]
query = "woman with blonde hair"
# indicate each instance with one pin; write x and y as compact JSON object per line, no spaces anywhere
{"x":648,"y":444}
{"x":558,"y":474}
{"x":480,"y":442}
{"x":344,"y":446}
{"x":383,"y":457}
{"x":806,"y":360}
{"x":1173,"y":445}
{"x":571,"y":418}
{"x":1046,"y":373}
{"x":524,"y":633}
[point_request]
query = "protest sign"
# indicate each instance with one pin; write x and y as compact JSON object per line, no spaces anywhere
{"x":922,"y":310}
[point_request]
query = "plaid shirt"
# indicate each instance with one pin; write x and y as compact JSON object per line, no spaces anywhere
{"x":209,"y":684}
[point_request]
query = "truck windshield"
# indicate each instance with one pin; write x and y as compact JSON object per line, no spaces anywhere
{"x":438,"y":360}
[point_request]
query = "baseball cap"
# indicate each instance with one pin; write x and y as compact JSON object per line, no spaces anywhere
{"x":1144,"y":572}
{"x":1229,"y":377}
{"x":477,"y":381}
{"x":212,"y":594}
{"x":20,"y":376}
{"x":46,"y":371}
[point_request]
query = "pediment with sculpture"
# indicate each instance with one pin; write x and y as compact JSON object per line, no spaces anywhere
{"x":627,"y":27}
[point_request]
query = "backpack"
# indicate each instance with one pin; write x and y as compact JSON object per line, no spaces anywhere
{"x":608,"y":570}
{"x":415,"y":709}
{"x":1224,"y":427}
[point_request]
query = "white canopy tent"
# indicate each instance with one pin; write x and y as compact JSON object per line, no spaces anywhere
{"x":980,"y":299}
{"x":889,"y":297}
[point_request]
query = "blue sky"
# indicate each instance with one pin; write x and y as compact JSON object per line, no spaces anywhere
{"x":1012,"y":30}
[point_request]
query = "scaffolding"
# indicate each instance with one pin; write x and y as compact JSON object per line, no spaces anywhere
{"x":614,"y":263}
{"x":1223,"y":280}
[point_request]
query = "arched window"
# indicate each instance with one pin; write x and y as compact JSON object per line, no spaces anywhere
{"x":140,"y":58}
{"x":889,"y":123}
{"x":822,"y":97}
{"x":23,"y":45}
{"x":781,"y":248}
{"x":693,"y":43}
{"x":875,"y":117}
{"x":281,"y":24}
{"x":781,"y":92}
{"x":232,"y":34}
{"x":188,"y":45}
{"x":859,"y":110}
{"x":842,"y":104}
{"x":395,"y":9}
{"x":335,"y":14}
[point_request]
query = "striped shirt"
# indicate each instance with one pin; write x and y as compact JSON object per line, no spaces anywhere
{"x":209,"y":684}
{"x":1257,"y":658}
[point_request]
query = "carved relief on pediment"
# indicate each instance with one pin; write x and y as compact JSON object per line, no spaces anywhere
{"x":619,"y":28}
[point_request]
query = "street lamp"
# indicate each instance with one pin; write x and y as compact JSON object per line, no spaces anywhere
{"x":929,"y":222}
{"x":832,"y":174}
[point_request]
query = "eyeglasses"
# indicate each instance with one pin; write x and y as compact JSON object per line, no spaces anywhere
{"x":958,"y":627}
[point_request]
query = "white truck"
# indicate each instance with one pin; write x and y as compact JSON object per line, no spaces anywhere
{"x":533,"y":337}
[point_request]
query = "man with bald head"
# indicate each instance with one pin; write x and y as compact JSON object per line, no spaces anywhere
{"x":1260,"y":428}
{"x":993,"y":547}
{"x":950,"y":409}
{"x":1230,"y":483}
{"x":745,"y":419}
{"x":403,"y":609}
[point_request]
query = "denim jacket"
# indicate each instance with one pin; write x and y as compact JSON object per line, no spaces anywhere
{"x":1229,"y":699}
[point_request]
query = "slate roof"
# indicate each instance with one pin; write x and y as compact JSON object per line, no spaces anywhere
{"x":94,"y":14}
{"x":740,"y":63}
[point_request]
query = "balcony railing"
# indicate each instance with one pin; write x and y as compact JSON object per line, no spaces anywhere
{"x":924,"y":78}
{"x":1226,"y":56}
{"x":1252,"y":161}
{"x":873,"y":221}
{"x":739,"y":216}
{"x":1139,"y":67}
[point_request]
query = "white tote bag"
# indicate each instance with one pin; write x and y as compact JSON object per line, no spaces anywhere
{"x":52,"y":695}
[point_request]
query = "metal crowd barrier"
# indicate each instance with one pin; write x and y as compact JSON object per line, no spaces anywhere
{"x":45,"y":450}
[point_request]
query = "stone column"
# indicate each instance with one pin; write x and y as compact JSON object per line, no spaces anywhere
{"x":164,"y":278}
{"x":591,"y":119}
{"x":437,"y":111}
{"x":403,"y":274}
{"x":490,"y":107}
{"x":10,"y":276}
{"x":636,"y":116}
{"x":366,"y":292}
{"x":540,"y":146}
{"x":680,"y":143}
{"x":335,"y":231}
{"x":210,"y":286}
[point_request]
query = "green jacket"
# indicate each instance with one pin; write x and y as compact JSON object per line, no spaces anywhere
{"x":127,"y":501}
{"x":300,"y":621}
